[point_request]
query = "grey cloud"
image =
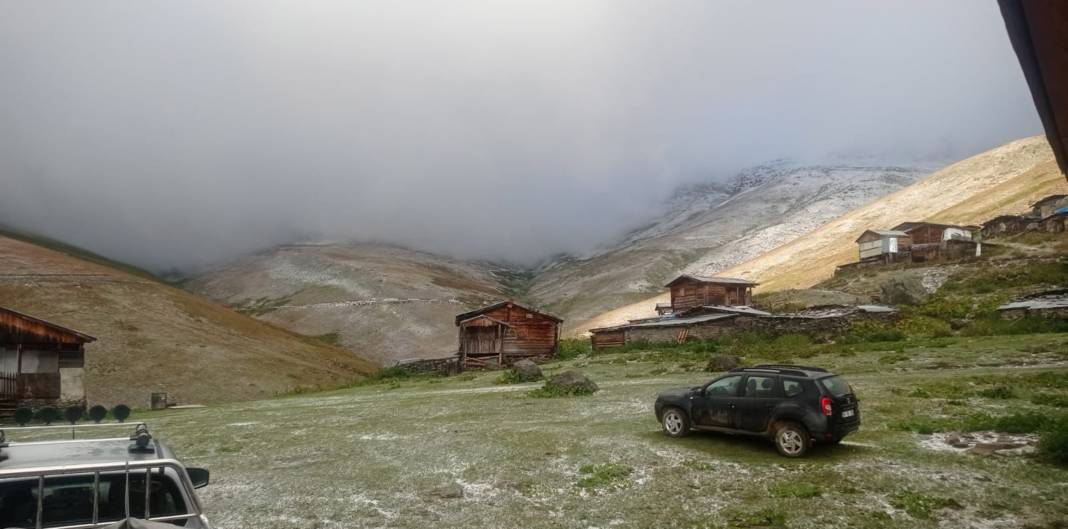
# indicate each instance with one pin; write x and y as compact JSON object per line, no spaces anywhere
{"x":181,"y":133}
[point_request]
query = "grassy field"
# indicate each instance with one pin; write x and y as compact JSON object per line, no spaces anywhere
{"x":379,"y":455}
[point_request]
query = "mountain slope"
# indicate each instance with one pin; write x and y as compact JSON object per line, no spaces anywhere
{"x":154,"y":337}
{"x":1003,"y":180}
{"x":712,"y":227}
{"x":387,"y":302}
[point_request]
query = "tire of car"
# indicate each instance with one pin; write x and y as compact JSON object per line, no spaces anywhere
{"x":675,"y":422}
{"x":792,"y":439}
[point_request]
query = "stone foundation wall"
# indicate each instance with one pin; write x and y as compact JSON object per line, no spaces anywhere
{"x":818,"y":328}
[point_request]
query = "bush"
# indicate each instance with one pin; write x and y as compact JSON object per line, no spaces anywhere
{"x":574,"y":347}
{"x":509,"y":377}
{"x":921,"y":506}
{"x":47,"y":415}
{"x":73,"y":414}
{"x":23,"y":416}
{"x":121,"y":412}
{"x":1053,"y":443}
{"x":795,"y":489}
{"x":1050,"y":399}
{"x":997,"y":392}
{"x":97,"y":413}
{"x":600,"y":476}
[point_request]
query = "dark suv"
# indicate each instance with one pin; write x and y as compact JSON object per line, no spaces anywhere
{"x":792,"y":405}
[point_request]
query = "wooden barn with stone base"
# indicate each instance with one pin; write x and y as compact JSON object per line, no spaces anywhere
{"x":503,"y":333}
{"x":41,"y":363}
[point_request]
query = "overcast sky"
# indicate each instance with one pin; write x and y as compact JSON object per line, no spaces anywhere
{"x":175,"y":134}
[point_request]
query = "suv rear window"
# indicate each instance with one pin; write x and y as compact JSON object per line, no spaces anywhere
{"x":836,"y":385}
{"x":68,"y":500}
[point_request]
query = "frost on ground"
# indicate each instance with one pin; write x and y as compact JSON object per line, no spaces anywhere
{"x":466,"y":452}
{"x":981,"y":443}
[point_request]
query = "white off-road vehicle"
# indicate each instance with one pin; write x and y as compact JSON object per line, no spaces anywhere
{"x":127,"y":482}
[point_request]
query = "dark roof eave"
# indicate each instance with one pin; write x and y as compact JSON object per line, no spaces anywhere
{"x":470,"y":314}
{"x":85,"y":338}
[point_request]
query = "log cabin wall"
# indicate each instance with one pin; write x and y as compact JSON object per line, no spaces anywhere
{"x":601,"y":339}
{"x":689,"y":294}
{"x":926,"y":234}
{"x":514,"y":331}
{"x":529,"y":333}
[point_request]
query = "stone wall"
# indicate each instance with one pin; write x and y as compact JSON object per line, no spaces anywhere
{"x":446,"y":366}
{"x":825,"y":328}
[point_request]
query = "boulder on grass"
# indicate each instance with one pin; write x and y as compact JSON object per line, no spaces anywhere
{"x":527,"y":371}
{"x":903,"y":291}
{"x":449,"y":491}
{"x":719,"y":363}
{"x":571,"y":382}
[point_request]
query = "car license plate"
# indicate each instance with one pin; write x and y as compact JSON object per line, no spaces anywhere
{"x":847,"y":413}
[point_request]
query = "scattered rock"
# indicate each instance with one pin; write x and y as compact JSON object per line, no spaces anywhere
{"x":449,"y":491}
{"x":571,"y":382}
{"x":722,"y":363}
{"x":527,"y":371}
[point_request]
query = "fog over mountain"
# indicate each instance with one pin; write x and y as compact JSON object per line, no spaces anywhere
{"x":177,"y":134}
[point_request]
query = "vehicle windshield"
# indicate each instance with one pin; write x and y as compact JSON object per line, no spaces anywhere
{"x":836,"y":385}
{"x":68,"y":500}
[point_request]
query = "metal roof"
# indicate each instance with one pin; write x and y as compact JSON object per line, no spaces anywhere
{"x":1050,"y":198}
{"x":733,"y":309}
{"x":22,"y":456}
{"x":711,"y":279}
{"x":911,"y":225}
{"x":675,"y":322}
{"x":884,"y":233}
{"x":1057,"y":299}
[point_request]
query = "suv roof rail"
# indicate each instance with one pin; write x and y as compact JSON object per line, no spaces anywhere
{"x":784,"y":368}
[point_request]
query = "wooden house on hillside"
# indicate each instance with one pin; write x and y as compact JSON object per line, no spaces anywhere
{"x":933,"y":233}
{"x":931,"y":241}
{"x":500,"y":334}
{"x":1008,"y":225}
{"x":689,"y":291}
{"x":1045,"y":207}
{"x":41,"y":363}
{"x":883,"y":245}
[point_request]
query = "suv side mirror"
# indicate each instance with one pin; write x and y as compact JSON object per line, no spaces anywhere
{"x":199,"y":476}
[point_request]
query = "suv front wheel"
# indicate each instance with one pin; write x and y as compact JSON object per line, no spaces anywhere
{"x":675,"y":422}
{"x":792,"y":440}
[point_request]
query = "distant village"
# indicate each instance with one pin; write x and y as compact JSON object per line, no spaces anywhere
{"x":43,"y":364}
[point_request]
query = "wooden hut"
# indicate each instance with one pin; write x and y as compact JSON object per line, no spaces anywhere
{"x":689,"y":291}
{"x":887,"y":246}
{"x":41,"y":363}
{"x":500,"y":334}
{"x":933,"y":232}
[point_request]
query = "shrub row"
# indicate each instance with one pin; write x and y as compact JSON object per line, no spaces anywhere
{"x":72,"y":414}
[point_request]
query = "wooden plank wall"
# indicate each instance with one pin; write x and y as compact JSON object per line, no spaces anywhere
{"x":690,"y":294}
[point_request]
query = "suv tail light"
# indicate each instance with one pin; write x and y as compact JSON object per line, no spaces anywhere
{"x":825,"y":406}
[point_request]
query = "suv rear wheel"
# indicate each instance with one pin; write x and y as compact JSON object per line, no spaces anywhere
{"x":675,"y":422}
{"x":792,"y":440}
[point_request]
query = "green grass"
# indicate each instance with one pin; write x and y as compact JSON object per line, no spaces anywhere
{"x":332,"y":338}
{"x":370,"y":455}
{"x":921,"y":506}
{"x":607,"y":475}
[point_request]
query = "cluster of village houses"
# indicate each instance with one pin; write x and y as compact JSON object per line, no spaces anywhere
{"x":42,"y":363}
{"x":920,"y":242}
